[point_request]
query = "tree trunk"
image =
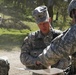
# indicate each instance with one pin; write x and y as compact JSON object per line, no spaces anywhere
{"x":39,"y":2}
{"x":50,"y":10}
{"x":57,"y":15}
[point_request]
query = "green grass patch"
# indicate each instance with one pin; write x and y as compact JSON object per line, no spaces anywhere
{"x":33,"y":26}
{"x":13,"y":31}
{"x":11,"y":38}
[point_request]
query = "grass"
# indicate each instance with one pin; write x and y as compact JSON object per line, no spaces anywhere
{"x":13,"y":31}
{"x":12,"y":38}
{"x":32,"y":25}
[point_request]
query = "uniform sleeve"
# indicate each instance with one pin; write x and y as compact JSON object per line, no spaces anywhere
{"x":59,"y":48}
{"x":57,"y":31}
{"x":25,"y":56}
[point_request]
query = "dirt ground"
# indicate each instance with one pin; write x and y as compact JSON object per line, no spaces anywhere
{"x":13,"y":57}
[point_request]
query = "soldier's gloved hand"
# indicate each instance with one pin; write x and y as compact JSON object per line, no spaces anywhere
{"x":43,"y":62}
{"x":38,"y":63}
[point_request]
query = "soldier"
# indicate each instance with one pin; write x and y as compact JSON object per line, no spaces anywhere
{"x":4,"y":66}
{"x":63,"y":45}
{"x":35,"y":42}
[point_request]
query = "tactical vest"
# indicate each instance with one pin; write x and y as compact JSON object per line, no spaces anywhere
{"x":71,"y":69}
{"x":37,"y":47}
{"x":38,"y":44}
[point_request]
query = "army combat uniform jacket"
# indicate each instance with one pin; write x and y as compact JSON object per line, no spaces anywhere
{"x":61,"y":47}
{"x":33,"y":45}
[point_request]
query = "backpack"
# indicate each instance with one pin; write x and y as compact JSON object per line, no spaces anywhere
{"x":4,"y":66}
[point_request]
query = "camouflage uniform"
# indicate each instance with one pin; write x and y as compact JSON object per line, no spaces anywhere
{"x":62,"y":46}
{"x":71,"y":6}
{"x":4,"y":67}
{"x":33,"y":45}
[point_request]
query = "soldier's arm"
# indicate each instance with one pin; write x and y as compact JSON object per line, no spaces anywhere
{"x":25,"y":56}
{"x":59,"y":48}
{"x":57,"y":31}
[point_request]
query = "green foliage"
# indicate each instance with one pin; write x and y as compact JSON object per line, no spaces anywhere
{"x":1,"y":1}
{"x":13,"y":31}
{"x":32,"y":25}
{"x":24,"y":7}
{"x":60,"y":24}
{"x":15,"y":36}
{"x":21,"y":12}
{"x":11,"y":38}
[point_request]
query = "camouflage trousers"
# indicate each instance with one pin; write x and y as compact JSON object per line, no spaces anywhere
{"x":4,"y":67}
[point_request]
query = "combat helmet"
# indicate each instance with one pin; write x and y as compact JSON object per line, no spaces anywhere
{"x":71,"y":6}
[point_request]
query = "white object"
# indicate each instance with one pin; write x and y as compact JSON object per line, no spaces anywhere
{"x":44,"y":71}
{"x":4,"y":57}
